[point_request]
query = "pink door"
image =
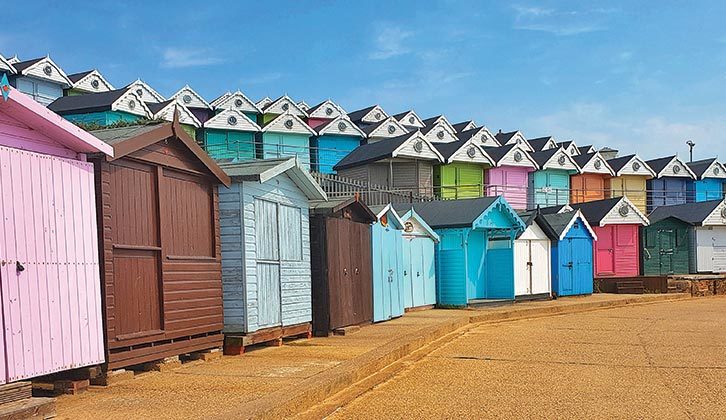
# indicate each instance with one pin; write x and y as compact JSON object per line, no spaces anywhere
{"x":510,"y":182}
{"x":51,"y":299}
{"x":604,"y":252}
{"x":626,"y":251}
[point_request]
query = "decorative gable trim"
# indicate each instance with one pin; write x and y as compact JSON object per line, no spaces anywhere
{"x":518,"y":156}
{"x":283,"y":105}
{"x":231,"y":119}
{"x":717,"y":216}
{"x":384,"y":130}
{"x":375,"y":115}
{"x":471,"y":152}
{"x":676,"y":168}
{"x":500,"y":204}
{"x":597,"y":165}
{"x":577,"y":216}
{"x":185,"y":115}
{"x":237,"y":101}
{"x":618,"y":215}
{"x":93,"y":82}
{"x":131,"y":103}
{"x":412,"y":220}
{"x":561,"y":160}
{"x":394,"y":219}
{"x":189,"y":98}
{"x":327,"y":109}
{"x":288,"y":123}
{"x":6,"y":66}
{"x":47,"y":69}
{"x":636,"y":166}
{"x":145,"y":92}
{"x":417,"y":147}
{"x":411,"y":119}
{"x":342,"y":126}
{"x":716,"y":170}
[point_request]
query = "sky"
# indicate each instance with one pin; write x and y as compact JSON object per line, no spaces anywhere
{"x":640,"y":76}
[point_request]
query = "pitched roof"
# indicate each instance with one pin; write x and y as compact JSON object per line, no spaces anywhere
{"x":658,"y":165}
{"x":89,"y":102}
{"x":337,"y":205}
{"x":357,"y":115}
{"x":539,"y":143}
{"x":586,"y":149}
{"x":583,"y":159}
{"x":449,"y":213}
{"x":691,"y":213}
{"x":545,"y":155}
{"x":117,"y":135}
{"x":596,"y":211}
{"x":555,"y":209}
{"x":619,"y":163}
{"x":382,"y":149}
{"x":556,"y":225}
{"x":460,"y":126}
{"x":448,"y":150}
{"x":699,"y":167}
{"x":75,"y":77}
{"x":503,"y":138}
{"x":334,"y":126}
{"x":22,"y":65}
{"x":267,"y":169}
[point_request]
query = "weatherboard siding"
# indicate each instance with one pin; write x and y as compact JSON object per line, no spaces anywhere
{"x":104,"y":118}
{"x":327,"y":150}
{"x":510,"y":182}
{"x":229,"y":144}
{"x":631,"y":186}
{"x":459,"y":180}
{"x":276,"y":145}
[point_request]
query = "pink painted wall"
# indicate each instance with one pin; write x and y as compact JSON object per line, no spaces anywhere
{"x":52,"y":310}
{"x":510,"y":182}
{"x":617,"y":251}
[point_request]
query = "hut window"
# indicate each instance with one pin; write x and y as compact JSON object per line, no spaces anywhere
{"x":266,"y":229}
{"x":291,"y":229}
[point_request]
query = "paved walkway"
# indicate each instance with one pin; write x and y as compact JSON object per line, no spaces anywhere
{"x":279,"y":381}
{"x":653,"y":361}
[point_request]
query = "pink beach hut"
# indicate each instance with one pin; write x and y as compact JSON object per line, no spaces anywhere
{"x":49,"y":272}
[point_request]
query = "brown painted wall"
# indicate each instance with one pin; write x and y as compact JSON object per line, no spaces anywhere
{"x":161,"y":269}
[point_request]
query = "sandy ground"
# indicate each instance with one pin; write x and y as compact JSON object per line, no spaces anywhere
{"x":663,"y":361}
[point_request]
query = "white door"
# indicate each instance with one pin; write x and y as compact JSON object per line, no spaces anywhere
{"x":540,"y":268}
{"x":719,"y":249}
{"x":522,"y":264}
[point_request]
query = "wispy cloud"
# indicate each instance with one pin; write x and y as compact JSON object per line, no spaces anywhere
{"x":561,"y":22}
{"x":390,"y":42}
{"x":188,"y":57}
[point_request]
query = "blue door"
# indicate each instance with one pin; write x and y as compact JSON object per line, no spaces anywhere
{"x":476,"y":285}
{"x":408,"y":245}
{"x":500,"y":269}
{"x":582,"y":263}
{"x":566,"y":268}
{"x":417,"y":273}
{"x":388,"y":282}
{"x":428,"y":270}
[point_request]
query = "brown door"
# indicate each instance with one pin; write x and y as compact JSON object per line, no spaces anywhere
{"x":338,"y":273}
{"x":136,"y":250}
{"x":360,"y":251}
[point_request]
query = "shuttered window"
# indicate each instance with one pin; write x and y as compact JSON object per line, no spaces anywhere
{"x":291,"y":233}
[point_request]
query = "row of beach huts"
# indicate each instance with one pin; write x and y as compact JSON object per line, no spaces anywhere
{"x":136,"y":228}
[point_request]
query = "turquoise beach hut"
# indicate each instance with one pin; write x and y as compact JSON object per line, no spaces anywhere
{"x":387,"y":260}
{"x":229,"y":135}
{"x":474,"y":259}
{"x":419,"y":269}
{"x":334,"y":140}
{"x":285,"y":136}
{"x":550,"y":184}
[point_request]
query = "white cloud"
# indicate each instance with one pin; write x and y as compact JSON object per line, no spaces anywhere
{"x":390,"y":42}
{"x":561,"y":22}
{"x":188,"y":57}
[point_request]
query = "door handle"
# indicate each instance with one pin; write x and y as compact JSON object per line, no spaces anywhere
{"x":345,"y":271}
{"x":19,"y":267}
{"x":356,"y":271}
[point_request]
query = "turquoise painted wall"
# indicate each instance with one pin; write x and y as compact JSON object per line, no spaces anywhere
{"x":388,"y":281}
{"x":549,"y":187}
{"x":451,"y":267}
{"x":706,"y":190}
{"x":276,"y":145}
{"x":229,"y":144}
{"x":102,"y":118}
{"x":328,"y":150}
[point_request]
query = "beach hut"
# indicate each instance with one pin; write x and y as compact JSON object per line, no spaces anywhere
{"x":480,"y":135}
{"x":387,"y":264}
{"x":145,"y":92}
{"x":419,"y":269}
{"x":570,"y":147}
{"x":474,"y":259}
{"x":704,"y":243}
{"x":164,"y":111}
{"x":262,"y":103}
{"x":509,"y":176}
{"x":386,"y":129}
{"x":572,"y":241}
{"x":543,"y":143}
{"x":438,"y":130}
{"x":369,"y":115}
{"x":710,"y":176}
{"x":230,"y":135}
{"x":615,"y":222}
{"x":670,"y":184}
{"x":630,"y":180}
{"x":50,"y":298}
{"x":265,"y":239}
{"x":410,"y":120}
{"x":282,"y":105}
{"x":285,"y":136}
{"x":549,"y":185}
{"x":201,"y":109}
{"x":590,"y":183}
{"x":404,"y":163}
{"x":91,"y":81}
{"x":40,"y":78}
{"x":513,"y":137}
{"x":236,"y":101}
{"x":159,"y":228}
{"x":334,"y":139}
{"x":532,"y":260}
{"x":464,"y":126}
{"x":6,"y":66}
{"x":324,"y":112}
{"x":462,"y":173}
{"x":103,"y":108}
{"x":340,"y":242}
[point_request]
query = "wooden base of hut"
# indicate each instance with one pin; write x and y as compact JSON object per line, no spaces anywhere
{"x":235,"y":344}
{"x":17,"y":402}
{"x":420,"y":308}
{"x":120,"y":357}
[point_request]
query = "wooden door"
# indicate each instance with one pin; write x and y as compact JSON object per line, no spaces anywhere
{"x":604,"y":251}
{"x":522,"y":267}
{"x":626,"y":252}
{"x":577,"y":188}
{"x":137,"y":292}
{"x":539,"y":251}
{"x":666,"y":249}
{"x":582,"y":267}
{"x":360,"y":256}
{"x":269,"y":311}
{"x":566,"y":272}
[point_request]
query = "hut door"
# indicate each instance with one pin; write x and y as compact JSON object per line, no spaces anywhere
{"x":567,"y":269}
{"x":604,"y":251}
{"x":666,"y":247}
{"x":719,"y":249}
{"x":268,"y":264}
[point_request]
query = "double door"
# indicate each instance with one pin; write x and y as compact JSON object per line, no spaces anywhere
{"x":419,"y":277}
{"x":532,"y":271}
{"x":575,"y":272}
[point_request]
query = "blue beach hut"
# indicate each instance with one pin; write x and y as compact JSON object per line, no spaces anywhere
{"x":710,"y":176}
{"x":419,"y":269}
{"x":670,"y":185}
{"x":334,"y":139}
{"x":572,"y":252}
{"x":387,"y":260}
{"x":474,"y":259}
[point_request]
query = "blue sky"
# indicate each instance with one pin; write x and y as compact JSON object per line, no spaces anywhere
{"x":623,"y":74}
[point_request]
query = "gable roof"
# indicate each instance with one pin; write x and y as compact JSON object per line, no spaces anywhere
{"x":90,"y":81}
{"x":386,"y":128}
{"x":267,"y":169}
{"x":630,"y":165}
{"x":237,"y":101}
{"x":6,"y":66}
{"x":262,"y":103}
{"x":409,"y":118}
{"x":114,"y":100}
{"x":560,"y":208}
{"x":692,"y":213}
{"x":660,"y":165}
{"x":542,"y":143}
{"x":303,"y":105}
{"x":126,"y":140}
{"x":593,"y":163}
{"x":472,"y":152}
{"x":464,"y":126}
{"x":144,"y":91}
{"x":288,"y":122}
{"x":165,"y":111}
{"x":232,"y":119}
{"x":50,"y":124}
{"x":499,"y":154}
{"x":284,"y":104}
{"x":370,"y":115}
{"x":513,"y":137}
{"x":555,"y":159}
{"x":460,"y":213}
{"x":557,"y":225}
{"x":391,"y":148}
{"x":597,"y":211}
{"x":438,"y":120}
{"x":42,"y":68}
{"x":412,"y":214}
{"x":569,"y":145}
{"x":482,"y":135}
{"x":215,"y":102}
{"x":335,"y":206}
{"x":341,"y":126}
{"x":380,"y":211}
{"x":707,"y":168}
{"x":326,"y":109}
{"x":191,"y":99}
{"x":585,"y":149}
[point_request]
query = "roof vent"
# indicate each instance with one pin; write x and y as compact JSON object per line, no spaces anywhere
{"x":624,"y":210}
{"x":518,"y":156}
{"x":418,"y":146}
{"x":391,"y":129}
{"x":636,"y":166}
{"x":48,"y":70}
{"x":285,"y":106}
{"x":471,"y":152}
{"x":238,"y":102}
{"x":676,"y":169}
{"x":94,"y":83}
{"x":289,"y":124}
{"x":328,"y":111}
{"x":187,"y":99}
{"x":232,"y":120}
{"x":342,"y":126}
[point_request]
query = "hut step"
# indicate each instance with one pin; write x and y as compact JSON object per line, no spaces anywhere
{"x":235,"y":345}
{"x":29,"y":408}
{"x":15,"y":391}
